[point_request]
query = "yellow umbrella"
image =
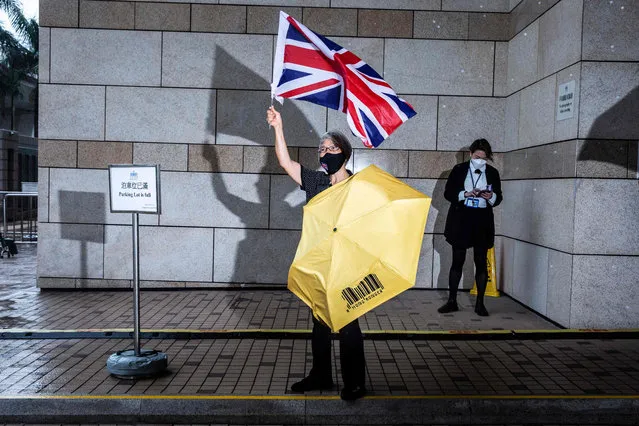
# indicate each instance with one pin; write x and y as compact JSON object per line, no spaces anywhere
{"x":360,"y":246}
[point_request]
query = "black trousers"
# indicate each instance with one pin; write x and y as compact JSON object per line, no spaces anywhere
{"x":481,"y":271}
{"x":351,"y":348}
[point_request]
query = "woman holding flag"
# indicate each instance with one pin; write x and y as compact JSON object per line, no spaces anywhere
{"x":334,"y":152}
{"x":310,"y":67}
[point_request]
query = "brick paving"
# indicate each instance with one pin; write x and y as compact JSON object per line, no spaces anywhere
{"x":22,"y":305}
{"x":270,"y":366}
{"x":425,"y":367}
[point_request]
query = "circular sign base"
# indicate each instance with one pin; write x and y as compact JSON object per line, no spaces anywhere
{"x":127,"y":365}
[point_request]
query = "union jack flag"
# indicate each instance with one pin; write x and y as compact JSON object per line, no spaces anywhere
{"x":312,"y":68}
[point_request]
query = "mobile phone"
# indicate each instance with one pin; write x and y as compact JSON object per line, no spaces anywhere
{"x":489,"y":188}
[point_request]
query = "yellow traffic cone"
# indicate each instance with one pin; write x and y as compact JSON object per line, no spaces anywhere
{"x":491,"y":285}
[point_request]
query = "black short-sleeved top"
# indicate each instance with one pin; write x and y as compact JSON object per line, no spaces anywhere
{"x":314,"y":182}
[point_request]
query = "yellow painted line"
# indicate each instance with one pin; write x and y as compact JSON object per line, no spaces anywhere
{"x":582,"y":330}
{"x":152,"y":330}
{"x":76,"y":330}
{"x":504,"y":397}
{"x":426,"y":332}
{"x":315,"y":397}
{"x":300,"y":331}
{"x":179,"y":397}
{"x":558,"y":331}
{"x":229,"y":330}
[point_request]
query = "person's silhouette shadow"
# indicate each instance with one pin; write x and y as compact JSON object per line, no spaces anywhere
{"x":618,"y":122}
{"x":259,"y":257}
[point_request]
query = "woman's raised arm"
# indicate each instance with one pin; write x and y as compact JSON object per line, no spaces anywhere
{"x":291,"y":167}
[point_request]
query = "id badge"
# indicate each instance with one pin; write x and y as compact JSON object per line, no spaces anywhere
{"x":472,"y":202}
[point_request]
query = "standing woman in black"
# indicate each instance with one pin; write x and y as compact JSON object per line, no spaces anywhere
{"x":333,"y":154}
{"x":473,"y":189}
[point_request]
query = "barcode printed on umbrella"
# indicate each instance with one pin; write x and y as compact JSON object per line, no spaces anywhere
{"x":367,"y":288}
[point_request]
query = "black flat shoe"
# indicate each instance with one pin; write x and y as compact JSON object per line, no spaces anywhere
{"x":450,"y":306}
{"x":311,"y":383}
{"x":481,"y":310}
{"x":351,"y":394}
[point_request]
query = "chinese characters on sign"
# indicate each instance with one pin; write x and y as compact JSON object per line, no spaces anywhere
{"x":134,"y":189}
{"x":566,"y":101}
{"x":135,"y":185}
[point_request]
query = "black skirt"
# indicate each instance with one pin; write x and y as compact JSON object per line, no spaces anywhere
{"x":470,"y":227}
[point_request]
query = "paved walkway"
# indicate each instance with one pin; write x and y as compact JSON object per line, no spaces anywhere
{"x":22,"y":305}
{"x":488,"y":378}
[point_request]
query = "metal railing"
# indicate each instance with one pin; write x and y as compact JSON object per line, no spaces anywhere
{"x":19,"y":215}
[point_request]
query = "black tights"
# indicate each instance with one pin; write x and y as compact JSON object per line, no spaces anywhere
{"x":481,"y":272}
{"x":351,"y":350}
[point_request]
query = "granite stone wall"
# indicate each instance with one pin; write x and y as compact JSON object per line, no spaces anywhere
{"x":185,"y":84}
{"x":570,"y":250}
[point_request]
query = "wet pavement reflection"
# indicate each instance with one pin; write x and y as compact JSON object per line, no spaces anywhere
{"x":23,"y":305}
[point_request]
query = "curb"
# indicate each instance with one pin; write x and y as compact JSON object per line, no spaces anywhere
{"x":589,"y":409}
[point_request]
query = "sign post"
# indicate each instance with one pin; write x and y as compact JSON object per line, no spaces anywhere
{"x":135,"y":189}
{"x":136,"y":285}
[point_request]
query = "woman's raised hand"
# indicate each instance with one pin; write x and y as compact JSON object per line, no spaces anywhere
{"x":273,"y":118}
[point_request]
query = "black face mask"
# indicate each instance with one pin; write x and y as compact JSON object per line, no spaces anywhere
{"x":332,"y":162}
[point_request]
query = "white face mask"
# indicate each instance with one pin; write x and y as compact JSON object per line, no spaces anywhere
{"x":478,"y":162}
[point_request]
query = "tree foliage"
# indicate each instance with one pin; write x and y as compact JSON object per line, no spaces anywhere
{"x":19,"y":52}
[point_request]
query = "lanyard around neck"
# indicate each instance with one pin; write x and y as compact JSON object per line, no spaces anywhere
{"x":473,"y":180}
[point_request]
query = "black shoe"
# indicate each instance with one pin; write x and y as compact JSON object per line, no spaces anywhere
{"x":311,"y":383}
{"x":450,"y":306}
{"x":480,"y":310}
{"x":351,"y":394}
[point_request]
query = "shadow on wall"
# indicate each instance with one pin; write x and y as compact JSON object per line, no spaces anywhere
{"x":620,"y":122}
{"x":259,"y":257}
{"x":612,"y":142}
{"x":440,"y":245}
{"x":81,"y":207}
